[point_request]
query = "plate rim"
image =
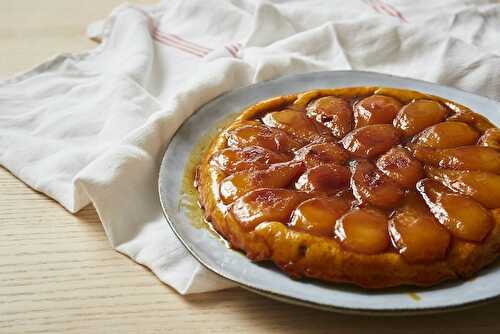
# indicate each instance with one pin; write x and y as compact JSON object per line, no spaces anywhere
{"x":291,"y":299}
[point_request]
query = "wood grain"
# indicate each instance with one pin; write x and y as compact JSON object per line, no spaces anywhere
{"x":58,"y":273}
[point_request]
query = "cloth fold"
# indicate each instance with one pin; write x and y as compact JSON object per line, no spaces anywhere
{"x":92,"y":128}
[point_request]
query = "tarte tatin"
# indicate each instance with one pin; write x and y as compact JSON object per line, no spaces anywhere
{"x":373,"y":186}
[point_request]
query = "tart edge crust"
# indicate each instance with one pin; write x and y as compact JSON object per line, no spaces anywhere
{"x":303,"y":255}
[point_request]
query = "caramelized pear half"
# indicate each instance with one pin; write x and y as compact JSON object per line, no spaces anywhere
{"x":363,"y":231}
{"x":376,"y":109}
{"x":297,"y":124}
{"x":371,"y":186}
{"x":372,"y":140}
{"x":490,"y":138}
{"x":276,"y":176}
{"x":472,"y":157}
{"x":322,"y":153}
{"x":231,"y":160}
{"x":447,"y":135}
{"x":328,"y":178}
{"x":318,"y":215}
{"x":415,"y":232}
{"x":255,"y":134}
{"x":334,"y":113}
{"x":401,"y":167}
{"x":265,"y":204}
{"x":484,"y":187}
{"x":463,"y":114}
{"x":462,"y":216}
{"x":418,"y":115}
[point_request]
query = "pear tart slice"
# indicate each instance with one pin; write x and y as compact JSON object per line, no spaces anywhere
{"x":377,"y":187}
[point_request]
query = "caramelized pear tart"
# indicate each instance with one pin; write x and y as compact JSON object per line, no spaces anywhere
{"x":377,"y":187}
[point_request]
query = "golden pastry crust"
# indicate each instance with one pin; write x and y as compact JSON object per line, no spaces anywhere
{"x":301,"y":253}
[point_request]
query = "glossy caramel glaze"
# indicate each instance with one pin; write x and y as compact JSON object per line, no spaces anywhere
{"x":373,"y":186}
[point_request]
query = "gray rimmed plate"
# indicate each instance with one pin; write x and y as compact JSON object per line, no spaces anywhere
{"x":267,"y":280}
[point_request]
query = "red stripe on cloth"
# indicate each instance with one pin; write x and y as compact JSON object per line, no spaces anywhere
{"x":396,"y":12}
{"x":380,"y":5}
{"x":231,"y":51}
{"x":172,"y":43}
{"x":183,"y":44}
{"x":391,"y":10}
{"x":235,"y":48}
{"x":173,"y":40}
{"x":188,"y":43}
{"x":177,"y":41}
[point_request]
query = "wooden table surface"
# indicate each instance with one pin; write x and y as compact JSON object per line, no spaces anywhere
{"x":59,"y":274}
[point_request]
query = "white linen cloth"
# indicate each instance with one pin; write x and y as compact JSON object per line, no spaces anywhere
{"x":92,"y":128}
